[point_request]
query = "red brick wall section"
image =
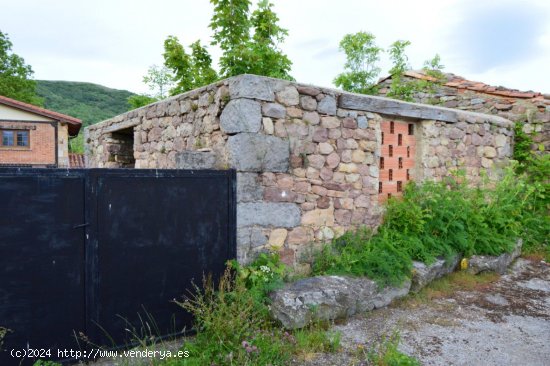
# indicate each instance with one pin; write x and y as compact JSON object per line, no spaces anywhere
{"x":397,"y":158}
{"x":42,"y":145}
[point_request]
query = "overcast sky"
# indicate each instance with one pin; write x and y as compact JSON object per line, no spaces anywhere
{"x":113,"y":42}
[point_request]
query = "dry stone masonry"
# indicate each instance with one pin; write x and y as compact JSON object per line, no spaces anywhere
{"x":307,"y":158}
{"x":530,"y":108}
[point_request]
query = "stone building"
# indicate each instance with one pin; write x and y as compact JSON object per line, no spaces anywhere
{"x":31,"y":136}
{"x":530,"y":108}
{"x":311,"y":162}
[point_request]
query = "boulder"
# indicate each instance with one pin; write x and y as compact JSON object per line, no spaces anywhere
{"x":329,"y":298}
{"x":499,"y":264}
{"x":424,"y":274}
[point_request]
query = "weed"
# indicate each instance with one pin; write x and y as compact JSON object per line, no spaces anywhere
{"x":225,"y":98}
{"x":3,"y":333}
{"x":198,"y":143}
{"x":46,"y":363}
{"x":233,"y":324}
{"x":265,"y":274}
{"x":386,"y":353}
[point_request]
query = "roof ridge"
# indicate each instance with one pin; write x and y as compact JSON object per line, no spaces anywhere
{"x":39,"y":110}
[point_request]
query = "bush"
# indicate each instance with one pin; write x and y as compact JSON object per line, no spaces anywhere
{"x":436,"y":219}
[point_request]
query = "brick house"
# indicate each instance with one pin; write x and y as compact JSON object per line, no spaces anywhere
{"x":31,"y":136}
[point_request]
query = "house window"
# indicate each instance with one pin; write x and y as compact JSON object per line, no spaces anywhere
{"x":411,"y":129}
{"x":15,"y":138}
{"x":399,"y":139}
{"x":392,"y":127}
{"x":381,"y":163}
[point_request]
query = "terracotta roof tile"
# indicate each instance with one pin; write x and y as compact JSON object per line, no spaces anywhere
{"x":455,"y":81}
{"x":76,"y":161}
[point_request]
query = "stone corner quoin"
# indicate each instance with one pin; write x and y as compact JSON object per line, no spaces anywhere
{"x":311,"y":161}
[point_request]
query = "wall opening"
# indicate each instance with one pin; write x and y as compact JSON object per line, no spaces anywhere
{"x":121,"y":148}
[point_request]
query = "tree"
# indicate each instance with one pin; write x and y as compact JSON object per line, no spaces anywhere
{"x":189,"y":71}
{"x":231,"y":26}
{"x":159,"y":80}
{"x":249,"y":43}
{"x":268,"y":59}
{"x":15,"y":76}
{"x":140,"y":100}
{"x":362,"y":55}
{"x":258,"y":54}
{"x":400,"y":88}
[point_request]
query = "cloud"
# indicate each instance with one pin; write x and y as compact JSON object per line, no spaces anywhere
{"x":500,"y":34}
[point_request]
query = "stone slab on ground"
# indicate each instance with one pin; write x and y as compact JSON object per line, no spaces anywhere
{"x":505,"y":323}
{"x":499,"y":264}
{"x":424,"y":274}
{"x":329,"y":298}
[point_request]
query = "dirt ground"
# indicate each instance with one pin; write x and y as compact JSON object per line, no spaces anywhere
{"x":504,"y":322}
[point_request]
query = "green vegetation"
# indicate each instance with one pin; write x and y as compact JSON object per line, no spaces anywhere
{"x":386,"y":353}
{"x":522,"y":146}
{"x":361,"y":68}
{"x":3,"y":333}
{"x":159,"y":80}
{"x":362,"y":54}
{"x":233,"y":324}
{"x":16,"y":78}
{"x":91,"y":103}
{"x":140,"y":100}
{"x":249,"y":42}
{"x":444,"y":218}
{"x":46,"y":363}
{"x":189,"y":71}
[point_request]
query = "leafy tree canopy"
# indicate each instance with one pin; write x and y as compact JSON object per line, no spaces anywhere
{"x":15,"y":76}
{"x":159,"y":80}
{"x":249,"y":42}
{"x":189,"y":71}
{"x":361,"y":70}
{"x":140,"y":100}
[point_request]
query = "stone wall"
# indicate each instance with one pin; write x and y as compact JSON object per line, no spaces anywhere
{"x":306,"y":157}
{"x":530,"y":108}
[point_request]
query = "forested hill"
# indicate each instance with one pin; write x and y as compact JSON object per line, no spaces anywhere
{"x":89,"y":102}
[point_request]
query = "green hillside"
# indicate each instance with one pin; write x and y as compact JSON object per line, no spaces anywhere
{"x":89,"y":102}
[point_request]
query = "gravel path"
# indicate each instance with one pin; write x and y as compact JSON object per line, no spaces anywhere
{"x":506,"y":322}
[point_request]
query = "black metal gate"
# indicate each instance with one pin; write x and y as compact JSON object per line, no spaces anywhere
{"x":98,"y":253}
